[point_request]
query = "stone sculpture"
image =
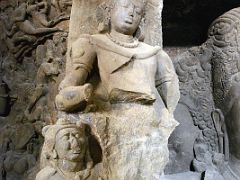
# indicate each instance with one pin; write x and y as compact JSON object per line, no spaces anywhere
{"x":26,"y":24}
{"x":224,"y":34}
{"x":49,"y":69}
{"x":65,"y":153}
{"x":38,"y":11}
{"x":17,"y":156}
{"x":132,"y":120}
{"x":32,"y":56}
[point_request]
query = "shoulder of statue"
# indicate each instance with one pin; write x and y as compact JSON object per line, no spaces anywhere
{"x":149,"y":47}
{"x":99,"y":37}
{"x":92,"y":39}
{"x":146,"y":51}
{"x":163,"y":55}
{"x":46,"y":173}
{"x":84,"y":43}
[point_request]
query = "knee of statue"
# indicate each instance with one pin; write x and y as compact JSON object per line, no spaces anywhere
{"x":74,"y":98}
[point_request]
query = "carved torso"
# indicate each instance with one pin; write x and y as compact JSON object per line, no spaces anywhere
{"x":121,"y":69}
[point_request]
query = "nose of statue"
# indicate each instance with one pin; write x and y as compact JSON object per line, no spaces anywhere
{"x":74,"y":142}
{"x":130,"y":11}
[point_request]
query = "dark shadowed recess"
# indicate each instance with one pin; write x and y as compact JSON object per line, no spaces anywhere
{"x":186,"y":22}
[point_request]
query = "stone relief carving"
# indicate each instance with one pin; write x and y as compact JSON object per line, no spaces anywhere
{"x":194,"y":72}
{"x":18,"y":156}
{"x":47,"y":74}
{"x":216,"y":150}
{"x":33,"y":47}
{"x":124,"y":86}
{"x":224,"y":33}
{"x":21,"y":32}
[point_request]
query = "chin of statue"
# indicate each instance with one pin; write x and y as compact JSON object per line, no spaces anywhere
{"x":126,"y":28}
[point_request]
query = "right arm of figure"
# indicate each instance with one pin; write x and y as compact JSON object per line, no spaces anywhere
{"x":167,"y":81}
{"x":82,"y":56}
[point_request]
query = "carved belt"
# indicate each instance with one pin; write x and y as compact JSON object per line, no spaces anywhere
{"x":121,"y":96}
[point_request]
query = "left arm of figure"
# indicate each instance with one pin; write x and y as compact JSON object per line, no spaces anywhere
{"x":167,"y":81}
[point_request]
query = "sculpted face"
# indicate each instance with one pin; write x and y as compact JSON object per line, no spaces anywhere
{"x":126,"y":16}
{"x":70,"y":144}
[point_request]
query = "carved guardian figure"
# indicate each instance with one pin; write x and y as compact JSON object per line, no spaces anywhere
{"x":120,"y":76}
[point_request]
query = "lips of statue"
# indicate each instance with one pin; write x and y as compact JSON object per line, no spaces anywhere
{"x":70,"y":145}
{"x":126,"y":16}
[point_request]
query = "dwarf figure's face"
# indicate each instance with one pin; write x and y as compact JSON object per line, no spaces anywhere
{"x":70,"y":144}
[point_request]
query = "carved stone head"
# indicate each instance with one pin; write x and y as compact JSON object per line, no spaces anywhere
{"x":64,"y":141}
{"x":124,"y":16}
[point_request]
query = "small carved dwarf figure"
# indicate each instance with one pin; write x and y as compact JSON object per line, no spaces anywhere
{"x":65,"y":153}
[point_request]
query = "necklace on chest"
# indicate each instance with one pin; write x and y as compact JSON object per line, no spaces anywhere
{"x":132,"y":44}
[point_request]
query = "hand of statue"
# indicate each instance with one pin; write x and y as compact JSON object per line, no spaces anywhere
{"x":74,"y":98}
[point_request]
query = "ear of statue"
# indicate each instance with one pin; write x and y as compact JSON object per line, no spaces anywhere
{"x":54,"y":154}
{"x":139,"y":34}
